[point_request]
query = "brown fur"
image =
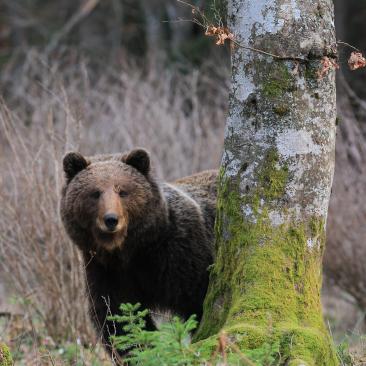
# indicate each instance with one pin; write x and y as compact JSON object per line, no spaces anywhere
{"x":159,"y":251}
{"x":201,"y":185}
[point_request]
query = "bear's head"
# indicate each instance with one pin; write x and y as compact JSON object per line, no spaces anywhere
{"x":106,"y":202}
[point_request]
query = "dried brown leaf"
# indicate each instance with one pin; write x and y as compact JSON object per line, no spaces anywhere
{"x":327,"y":64}
{"x":356,"y":61}
{"x":221,"y":33}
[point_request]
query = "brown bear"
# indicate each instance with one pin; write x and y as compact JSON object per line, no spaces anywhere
{"x":142,"y":240}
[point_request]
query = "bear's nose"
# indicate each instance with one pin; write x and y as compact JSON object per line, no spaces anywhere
{"x":111,"y":221}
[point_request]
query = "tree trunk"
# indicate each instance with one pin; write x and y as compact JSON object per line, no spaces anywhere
{"x":275,"y":182}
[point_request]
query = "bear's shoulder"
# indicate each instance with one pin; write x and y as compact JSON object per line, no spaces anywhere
{"x":192,"y":199}
{"x":202,"y":186}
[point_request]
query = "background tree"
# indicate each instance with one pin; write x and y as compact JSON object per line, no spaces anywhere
{"x":344,"y":266}
{"x":275,"y":181}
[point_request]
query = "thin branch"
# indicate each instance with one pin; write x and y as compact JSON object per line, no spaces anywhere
{"x":206,"y":24}
{"x":348,"y":45}
{"x":259,"y":51}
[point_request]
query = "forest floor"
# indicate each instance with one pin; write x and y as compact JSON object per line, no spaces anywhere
{"x":32,"y":346}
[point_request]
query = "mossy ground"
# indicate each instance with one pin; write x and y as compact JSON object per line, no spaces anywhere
{"x":265,"y":284}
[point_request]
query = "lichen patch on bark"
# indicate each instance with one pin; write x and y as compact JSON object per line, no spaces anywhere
{"x":292,"y":142}
{"x":259,"y":17}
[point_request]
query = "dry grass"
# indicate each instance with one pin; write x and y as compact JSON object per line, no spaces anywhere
{"x":52,"y":109}
{"x":178,"y":116}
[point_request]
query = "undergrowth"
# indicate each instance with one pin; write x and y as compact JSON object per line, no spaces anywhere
{"x":344,"y":355}
{"x":171,"y":344}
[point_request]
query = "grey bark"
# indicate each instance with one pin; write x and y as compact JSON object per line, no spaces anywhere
{"x":280,"y":105}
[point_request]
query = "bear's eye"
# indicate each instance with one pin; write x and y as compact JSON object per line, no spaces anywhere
{"x":95,"y":194}
{"x":123,"y":193}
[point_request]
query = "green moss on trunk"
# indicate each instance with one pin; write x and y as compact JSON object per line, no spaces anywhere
{"x":279,"y":80}
{"x":265,"y":284}
{"x":5,"y":356}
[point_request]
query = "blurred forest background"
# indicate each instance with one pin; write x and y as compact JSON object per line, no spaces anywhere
{"x":105,"y":76}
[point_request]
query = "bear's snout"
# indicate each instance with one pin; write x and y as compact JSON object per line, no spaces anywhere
{"x":110,"y":221}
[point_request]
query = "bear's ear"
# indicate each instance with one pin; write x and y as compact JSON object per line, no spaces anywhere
{"x":139,"y":159}
{"x":73,"y":164}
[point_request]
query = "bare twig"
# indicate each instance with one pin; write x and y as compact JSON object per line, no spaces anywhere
{"x":223,"y":33}
{"x":348,"y":45}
